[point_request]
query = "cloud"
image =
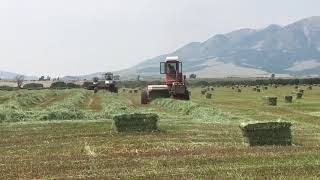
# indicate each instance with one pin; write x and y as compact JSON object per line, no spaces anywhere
{"x":304,"y":65}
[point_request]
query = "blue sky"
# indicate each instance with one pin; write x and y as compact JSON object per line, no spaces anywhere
{"x":73,"y":37}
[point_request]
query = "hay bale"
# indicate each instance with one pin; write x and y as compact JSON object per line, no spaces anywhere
{"x":258,"y":90}
{"x":254,"y":89}
{"x":203,"y":91}
{"x":299,"y":95}
{"x":301,"y":91}
{"x":136,"y":122}
{"x":288,"y":99}
{"x":296,"y":87}
{"x":208,"y":95}
{"x":267,"y":133}
{"x":265,"y":88}
{"x":239,"y":90}
{"x":310,"y":88}
{"x":270,"y":100}
{"x":130,"y":91}
{"x":123,"y":90}
{"x":135,"y":91}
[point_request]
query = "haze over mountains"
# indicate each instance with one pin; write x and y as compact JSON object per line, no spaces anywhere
{"x":290,"y":50}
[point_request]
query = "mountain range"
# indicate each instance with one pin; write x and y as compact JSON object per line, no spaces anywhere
{"x":284,"y":50}
{"x":291,"y":50}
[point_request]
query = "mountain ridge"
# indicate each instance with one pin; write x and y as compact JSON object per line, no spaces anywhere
{"x":274,"y":49}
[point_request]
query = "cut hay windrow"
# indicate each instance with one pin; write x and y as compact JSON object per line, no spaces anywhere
{"x":267,"y":133}
{"x":64,"y":110}
{"x":112,"y":106}
{"x":136,"y":122}
{"x":192,"y":109}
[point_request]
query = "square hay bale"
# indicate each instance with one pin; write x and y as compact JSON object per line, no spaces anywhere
{"x":267,"y":133}
{"x":136,"y":122}
{"x":208,"y":95}
{"x":270,"y":100}
{"x":299,"y":95}
{"x":288,"y":99}
{"x":203,"y":91}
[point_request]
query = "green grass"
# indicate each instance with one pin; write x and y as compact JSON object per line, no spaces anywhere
{"x":200,"y":139}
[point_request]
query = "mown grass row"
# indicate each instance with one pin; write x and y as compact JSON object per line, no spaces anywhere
{"x":27,"y":105}
{"x":59,"y":105}
{"x":197,"y":112}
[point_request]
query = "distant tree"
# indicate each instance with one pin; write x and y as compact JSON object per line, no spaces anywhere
{"x":138,"y":78}
{"x":58,"y":85}
{"x":95,"y":79}
{"x":41,"y":78}
{"x":48,"y":78}
{"x":19,"y":81}
{"x":193,"y":76}
{"x":273,"y":76}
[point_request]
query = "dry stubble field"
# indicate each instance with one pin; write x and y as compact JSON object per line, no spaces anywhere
{"x":59,"y":134}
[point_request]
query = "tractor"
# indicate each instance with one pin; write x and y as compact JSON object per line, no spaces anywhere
{"x":174,"y":87}
{"x":109,"y":84}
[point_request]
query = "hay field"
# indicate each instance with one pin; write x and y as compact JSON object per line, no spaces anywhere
{"x":59,"y":134}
